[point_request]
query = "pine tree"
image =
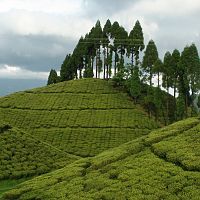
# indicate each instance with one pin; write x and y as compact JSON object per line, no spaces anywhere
{"x":174,"y":75}
{"x":115,"y":31}
{"x":121,"y":44}
{"x":64,"y":68}
{"x":136,"y":42}
{"x":135,"y":84}
{"x":158,"y":69}
{"x":194,"y":69}
{"x":105,"y":42}
{"x":167,"y":78}
{"x":53,"y":77}
{"x":184,"y":77}
{"x":98,"y":35}
{"x":149,"y":59}
{"x":180,"y":112}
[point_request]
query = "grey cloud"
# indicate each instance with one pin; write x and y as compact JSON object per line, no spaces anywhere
{"x":34,"y":52}
{"x":95,"y":8}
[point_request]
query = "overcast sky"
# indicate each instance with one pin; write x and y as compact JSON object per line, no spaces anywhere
{"x":35,"y":35}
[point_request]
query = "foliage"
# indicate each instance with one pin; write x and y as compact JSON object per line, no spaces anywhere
{"x":162,"y":165}
{"x":22,"y":155}
{"x":82,"y":117}
{"x":53,"y":77}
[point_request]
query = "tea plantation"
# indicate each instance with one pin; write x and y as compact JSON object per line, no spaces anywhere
{"x":80,"y":117}
{"x":162,"y":165}
{"x":22,"y":156}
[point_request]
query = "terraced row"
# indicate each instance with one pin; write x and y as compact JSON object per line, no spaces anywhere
{"x":132,"y":171}
{"x":82,"y":117}
{"x":21,"y":155}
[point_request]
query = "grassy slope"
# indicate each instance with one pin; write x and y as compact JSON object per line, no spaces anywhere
{"x":21,"y":155}
{"x":163,"y":165}
{"x":81,"y":117}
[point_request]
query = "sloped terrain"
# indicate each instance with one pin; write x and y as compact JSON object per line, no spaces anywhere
{"x":81,"y":117}
{"x":163,"y":165}
{"x":21,"y":155}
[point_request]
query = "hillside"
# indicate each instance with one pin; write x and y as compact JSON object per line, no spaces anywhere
{"x":80,"y":117}
{"x":163,"y":165}
{"x":21,"y":155}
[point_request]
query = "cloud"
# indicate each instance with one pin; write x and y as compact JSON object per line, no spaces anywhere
{"x":96,"y":8}
{"x":34,"y":52}
{"x":36,"y":35}
{"x":14,"y":72}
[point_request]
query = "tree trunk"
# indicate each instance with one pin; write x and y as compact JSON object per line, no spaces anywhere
{"x":80,"y":74}
{"x":186,"y":105}
{"x":175,"y":100}
{"x":158,"y":80}
{"x":107,"y":72}
{"x":167,"y":111}
{"x":96,"y":63}
{"x":115,"y":65}
{"x":104,"y":64}
{"x":132,"y":58}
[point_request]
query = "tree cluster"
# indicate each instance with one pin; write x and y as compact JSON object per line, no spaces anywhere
{"x":113,"y":52}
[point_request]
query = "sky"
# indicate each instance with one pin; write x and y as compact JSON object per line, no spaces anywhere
{"x":35,"y":35}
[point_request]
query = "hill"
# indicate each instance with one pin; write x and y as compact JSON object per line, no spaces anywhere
{"x":22,"y":156}
{"x":162,"y":165}
{"x":80,"y":117}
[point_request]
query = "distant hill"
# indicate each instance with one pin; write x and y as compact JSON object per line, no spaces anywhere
{"x":162,"y":165}
{"x":80,"y":117}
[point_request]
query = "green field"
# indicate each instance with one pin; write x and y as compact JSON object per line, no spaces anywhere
{"x":81,"y":117}
{"x":85,"y":139}
{"x":163,"y":165}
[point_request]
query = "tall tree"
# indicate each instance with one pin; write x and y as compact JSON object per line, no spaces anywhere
{"x":136,"y":42}
{"x":149,"y":59}
{"x":175,"y":71}
{"x":174,"y":76}
{"x":167,"y":78}
{"x":184,"y":77}
{"x":157,"y":69}
{"x":135,"y":84}
{"x":53,"y":77}
{"x":121,"y":44}
{"x":105,"y":42}
{"x":64,"y":68}
{"x":115,"y":30}
{"x":98,"y":35}
{"x":194,"y":69}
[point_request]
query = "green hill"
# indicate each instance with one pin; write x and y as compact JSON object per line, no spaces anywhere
{"x":162,"y":165}
{"x":21,"y":155}
{"x":80,"y":117}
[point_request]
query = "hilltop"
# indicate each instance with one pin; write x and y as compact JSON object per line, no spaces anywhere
{"x":80,"y":117}
{"x":162,"y":165}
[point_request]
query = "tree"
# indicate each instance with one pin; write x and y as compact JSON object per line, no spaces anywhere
{"x":149,"y":59}
{"x":64,"y":70}
{"x":115,"y":30}
{"x":88,"y":73}
{"x":194,"y":69}
{"x":184,"y":77}
{"x":180,"y":112}
{"x":135,"y":84}
{"x":121,"y":44}
{"x":97,"y":36}
{"x":136,"y":42}
{"x":157,"y":69}
{"x":53,"y":77}
{"x":175,"y":71}
{"x":105,"y":42}
{"x":167,"y":77}
{"x":174,"y":75}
